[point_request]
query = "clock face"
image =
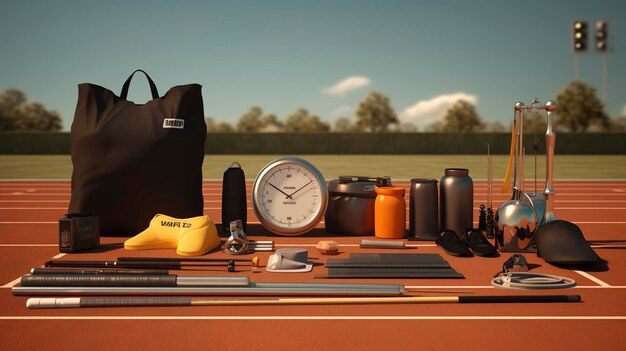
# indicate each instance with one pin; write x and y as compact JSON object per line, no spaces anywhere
{"x":289,"y":196}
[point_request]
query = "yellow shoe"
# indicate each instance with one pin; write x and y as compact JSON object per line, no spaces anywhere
{"x":189,"y":236}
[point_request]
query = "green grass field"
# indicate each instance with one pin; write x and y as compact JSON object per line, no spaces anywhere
{"x":396,"y":166}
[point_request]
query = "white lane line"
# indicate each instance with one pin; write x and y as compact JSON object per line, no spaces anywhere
{"x":29,"y":245}
{"x":578,"y":201}
{"x":59,"y":194}
{"x":448,"y":287}
{"x":29,"y":222}
{"x":310,"y":245}
{"x":18,"y":279}
{"x":590,"y":208}
{"x":599,"y":222}
{"x":12,"y":283}
{"x":496,"y":196}
{"x":249,"y":222}
{"x":249,"y":201}
{"x":65,"y":201}
{"x":557,"y":194}
{"x":352,"y":245}
{"x":250,"y":208}
{"x":313,"y":318}
{"x":456,"y":287}
{"x":321,"y":222}
{"x":592,"y":278}
{"x":33,"y":208}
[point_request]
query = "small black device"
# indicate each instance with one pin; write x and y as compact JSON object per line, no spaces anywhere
{"x":78,"y":232}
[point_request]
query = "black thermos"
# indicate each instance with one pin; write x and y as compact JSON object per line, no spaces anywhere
{"x":457,"y":201}
{"x":234,"y":203}
{"x":423,"y":205}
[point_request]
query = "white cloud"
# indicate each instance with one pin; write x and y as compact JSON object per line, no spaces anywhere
{"x":342,"y":111}
{"x":347,"y":85}
{"x":428,"y":111}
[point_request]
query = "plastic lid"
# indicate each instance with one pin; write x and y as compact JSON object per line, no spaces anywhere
{"x":423,"y":180}
{"x":458,"y":172}
{"x":352,"y":186}
{"x":390,"y":190}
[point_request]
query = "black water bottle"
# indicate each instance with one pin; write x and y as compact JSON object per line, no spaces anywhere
{"x":423,"y":207}
{"x":234,"y":203}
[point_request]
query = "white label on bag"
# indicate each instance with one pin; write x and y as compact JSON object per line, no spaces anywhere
{"x":174,"y":123}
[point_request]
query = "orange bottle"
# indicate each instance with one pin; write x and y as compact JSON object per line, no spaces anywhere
{"x":389,"y":213}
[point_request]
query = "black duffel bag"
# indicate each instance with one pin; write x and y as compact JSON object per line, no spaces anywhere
{"x":132,"y":161}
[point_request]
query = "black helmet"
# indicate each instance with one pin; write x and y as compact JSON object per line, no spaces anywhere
{"x":562,"y":242}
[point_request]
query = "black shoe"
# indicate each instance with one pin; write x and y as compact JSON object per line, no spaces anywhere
{"x":452,"y":244}
{"x":480,"y":245}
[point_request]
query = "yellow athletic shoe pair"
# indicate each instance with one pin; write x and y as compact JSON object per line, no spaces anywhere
{"x":189,"y":236}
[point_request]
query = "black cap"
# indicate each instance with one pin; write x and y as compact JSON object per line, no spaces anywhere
{"x":562,"y":242}
{"x":352,"y":186}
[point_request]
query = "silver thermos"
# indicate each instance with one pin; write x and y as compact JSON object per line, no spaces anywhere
{"x":457,"y":201}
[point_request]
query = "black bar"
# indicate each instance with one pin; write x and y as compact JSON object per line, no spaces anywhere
{"x":519,"y":298}
{"x":168,"y":259}
{"x":100,"y":280}
{"x":46,"y":270}
{"x":114,"y":264}
{"x":133,"y":302}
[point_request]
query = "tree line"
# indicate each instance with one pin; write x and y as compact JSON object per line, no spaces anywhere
{"x":580,"y":110}
{"x":16,"y":114}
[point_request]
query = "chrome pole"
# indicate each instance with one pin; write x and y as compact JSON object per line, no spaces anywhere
{"x":549,"y":215}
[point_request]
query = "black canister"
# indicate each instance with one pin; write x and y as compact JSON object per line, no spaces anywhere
{"x":351,"y":206}
{"x":234,"y":204}
{"x":457,"y":201}
{"x":423,"y":209}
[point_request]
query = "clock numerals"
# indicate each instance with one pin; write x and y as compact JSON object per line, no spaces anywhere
{"x":290,"y":196}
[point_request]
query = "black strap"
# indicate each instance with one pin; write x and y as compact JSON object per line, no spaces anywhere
{"x":153,"y":88}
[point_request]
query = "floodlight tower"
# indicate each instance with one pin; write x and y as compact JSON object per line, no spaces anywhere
{"x":579,"y":42}
{"x":602,"y":45}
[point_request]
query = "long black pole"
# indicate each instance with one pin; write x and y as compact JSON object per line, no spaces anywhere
{"x":175,"y":301}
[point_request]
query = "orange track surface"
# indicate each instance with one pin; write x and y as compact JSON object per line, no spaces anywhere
{"x":28,"y":236}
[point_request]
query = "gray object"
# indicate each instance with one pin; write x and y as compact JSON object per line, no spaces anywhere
{"x":388,"y":260}
{"x":423,"y":209}
{"x":351,"y":206}
{"x":264,"y":289}
{"x":399,"y":273}
{"x":136,"y":280}
{"x":457,"y":201}
{"x":290,"y":260}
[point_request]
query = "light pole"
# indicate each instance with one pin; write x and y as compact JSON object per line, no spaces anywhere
{"x":602,"y":45}
{"x":579,"y":42}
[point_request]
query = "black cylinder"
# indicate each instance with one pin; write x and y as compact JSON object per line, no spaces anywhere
{"x":350,"y":208}
{"x":234,"y":203}
{"x":423,"y":209}
{"x":457,"y":201}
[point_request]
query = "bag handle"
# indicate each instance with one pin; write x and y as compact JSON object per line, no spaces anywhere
{"x":153,"y":88}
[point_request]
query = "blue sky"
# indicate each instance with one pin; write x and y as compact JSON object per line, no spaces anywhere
{"x":283,"y":55}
